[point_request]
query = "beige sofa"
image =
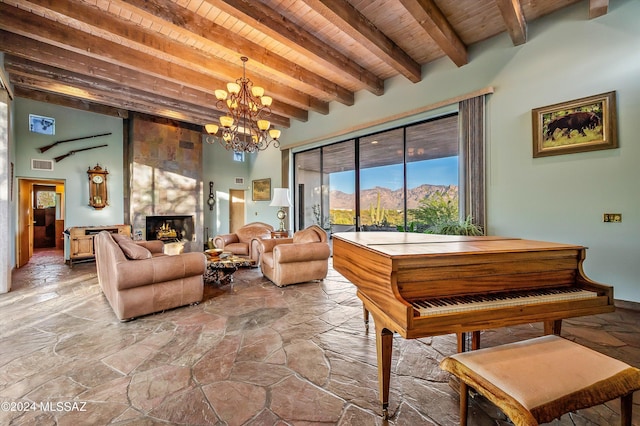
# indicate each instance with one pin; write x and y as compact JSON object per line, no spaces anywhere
{"x":244,"y":242}
{"x":137,"y":278}
{"x":305,"y":257}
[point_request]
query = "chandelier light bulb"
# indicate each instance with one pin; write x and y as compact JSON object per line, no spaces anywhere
{"x":266,"y":100}
{"x":257,"y":91}
{"x":233,"y":88}
{"x":263,"y":125}
{"x":275,"y":134}
{"x":221,"y":95}
{"x":226,"y":121}
{"x":211,"y":128}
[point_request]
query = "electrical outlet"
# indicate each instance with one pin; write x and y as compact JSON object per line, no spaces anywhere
{"x":612,"y":217}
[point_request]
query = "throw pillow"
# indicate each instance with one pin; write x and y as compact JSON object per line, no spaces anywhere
{"x":130,"y":249}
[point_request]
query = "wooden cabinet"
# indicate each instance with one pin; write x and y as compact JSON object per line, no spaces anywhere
{"x":81,"y":240}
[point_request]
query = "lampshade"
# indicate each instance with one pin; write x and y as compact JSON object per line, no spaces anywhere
{"x":280,"y":197}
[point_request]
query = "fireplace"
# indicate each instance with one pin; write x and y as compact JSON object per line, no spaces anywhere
{"x":170,"y":228}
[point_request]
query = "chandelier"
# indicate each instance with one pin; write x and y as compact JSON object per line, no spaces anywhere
{"x":243,"y":128}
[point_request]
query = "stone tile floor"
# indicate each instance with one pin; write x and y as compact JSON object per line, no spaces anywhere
{"x":250,"y":354}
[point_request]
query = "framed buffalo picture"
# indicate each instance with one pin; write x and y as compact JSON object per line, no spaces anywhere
{"x":586,"y":124}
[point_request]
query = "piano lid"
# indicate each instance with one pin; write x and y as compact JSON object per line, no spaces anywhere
{"x":394,"y":244}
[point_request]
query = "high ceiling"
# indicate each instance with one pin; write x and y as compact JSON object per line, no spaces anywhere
{"x":166,"y":58}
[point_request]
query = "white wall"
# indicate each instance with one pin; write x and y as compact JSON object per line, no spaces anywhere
{"x":560,"y":198}
{"x":72,"y":123}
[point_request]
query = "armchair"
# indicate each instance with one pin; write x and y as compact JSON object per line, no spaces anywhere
{"x":244,"y":242}
{"x":304,"y":257}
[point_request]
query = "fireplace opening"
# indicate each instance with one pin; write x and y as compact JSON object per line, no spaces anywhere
{"x":170,"y":228}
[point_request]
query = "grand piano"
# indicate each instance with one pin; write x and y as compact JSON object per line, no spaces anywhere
{"x":421,"y":285}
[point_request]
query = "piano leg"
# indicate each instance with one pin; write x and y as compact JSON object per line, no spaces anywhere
{"x":463,"y":344}
{"x":384,"y":348}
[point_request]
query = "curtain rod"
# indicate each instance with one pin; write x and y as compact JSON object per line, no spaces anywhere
{"x":481,"y":92}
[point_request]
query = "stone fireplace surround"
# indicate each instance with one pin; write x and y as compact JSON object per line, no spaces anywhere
{"x":163,"y":165}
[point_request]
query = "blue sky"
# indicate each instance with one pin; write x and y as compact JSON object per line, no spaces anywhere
{"x":441,"y":171}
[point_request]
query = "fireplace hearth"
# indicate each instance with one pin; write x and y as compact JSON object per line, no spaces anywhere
{"x":170,"y":228}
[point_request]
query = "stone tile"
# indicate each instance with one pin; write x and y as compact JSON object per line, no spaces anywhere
{"x":133,"y":356}
{"x":299,"y":401}
{"x":308,"y":360}
{"x":150,"y":389}
{"x":216,"y":364}
{"x":259,"y":344}
{"x":227,"y":397}
{"x":187,"y":408}
{"x":257,"y":373}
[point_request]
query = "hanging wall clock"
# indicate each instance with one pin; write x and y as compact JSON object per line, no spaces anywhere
{"x":98,"y":187}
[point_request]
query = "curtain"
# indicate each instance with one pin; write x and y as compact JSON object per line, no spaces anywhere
{"x":472,"y":138}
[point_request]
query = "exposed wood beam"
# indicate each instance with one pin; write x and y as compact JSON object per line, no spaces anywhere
{"x":95,"y":88}
{"x":429,"y":16}
{"x":105,"y":98}
{"x":57,"y":57}
{"x":65,"y":101}
{"x":514,"y":20}
{"x":212,"y":34}
{"x":341,"y":14}
{"x":299,"y":40}
{"x":119,"y":77}
{"x":598,"y":8}
{"x":50,"y":32}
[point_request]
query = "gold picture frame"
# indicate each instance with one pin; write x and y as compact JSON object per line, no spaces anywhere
{"x":585,"y":124}
{"x":261,"y":189}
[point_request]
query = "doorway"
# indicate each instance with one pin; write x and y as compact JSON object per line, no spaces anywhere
{"x":236,"y":209}
{"x":40,"y":217}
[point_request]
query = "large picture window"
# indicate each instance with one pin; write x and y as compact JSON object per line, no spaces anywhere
{"x":399,"y":179}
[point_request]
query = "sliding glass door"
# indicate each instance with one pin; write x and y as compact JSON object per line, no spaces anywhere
{"x":400,"y":179}
{"x":381,"y":191}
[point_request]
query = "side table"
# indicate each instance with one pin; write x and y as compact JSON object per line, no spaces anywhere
{"x":279,"y":234}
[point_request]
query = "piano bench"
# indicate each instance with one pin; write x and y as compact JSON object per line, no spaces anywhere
{"x":538,"y":380}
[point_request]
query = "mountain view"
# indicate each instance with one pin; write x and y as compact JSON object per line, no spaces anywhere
{"x":389,"y":199}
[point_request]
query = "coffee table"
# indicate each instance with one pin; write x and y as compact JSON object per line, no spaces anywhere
{"x":221,"y":270}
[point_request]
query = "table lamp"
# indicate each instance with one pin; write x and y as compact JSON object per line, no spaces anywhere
{"x":281,"y":199}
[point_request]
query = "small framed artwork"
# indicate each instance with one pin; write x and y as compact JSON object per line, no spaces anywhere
{"x":586,"y":124}
{"x":261,"y":189}
{"x":43,"y":125}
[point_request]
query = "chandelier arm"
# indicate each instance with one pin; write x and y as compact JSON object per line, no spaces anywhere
{"x":245,"y":109}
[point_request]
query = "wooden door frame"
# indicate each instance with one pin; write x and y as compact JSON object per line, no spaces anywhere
{"x":24,"y":246}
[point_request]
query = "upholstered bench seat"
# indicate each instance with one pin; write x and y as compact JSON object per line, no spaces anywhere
{"x":538,"y":380}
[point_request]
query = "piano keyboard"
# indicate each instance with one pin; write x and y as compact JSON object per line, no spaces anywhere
{"x":466,"y":303}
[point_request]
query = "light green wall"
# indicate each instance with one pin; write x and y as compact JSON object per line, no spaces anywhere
{"x":220,"y":168}
{"x":73,"y":123}
{"x":560,"y":198}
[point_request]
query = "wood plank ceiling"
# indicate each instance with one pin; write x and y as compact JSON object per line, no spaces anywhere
{"x":166,"y":58}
